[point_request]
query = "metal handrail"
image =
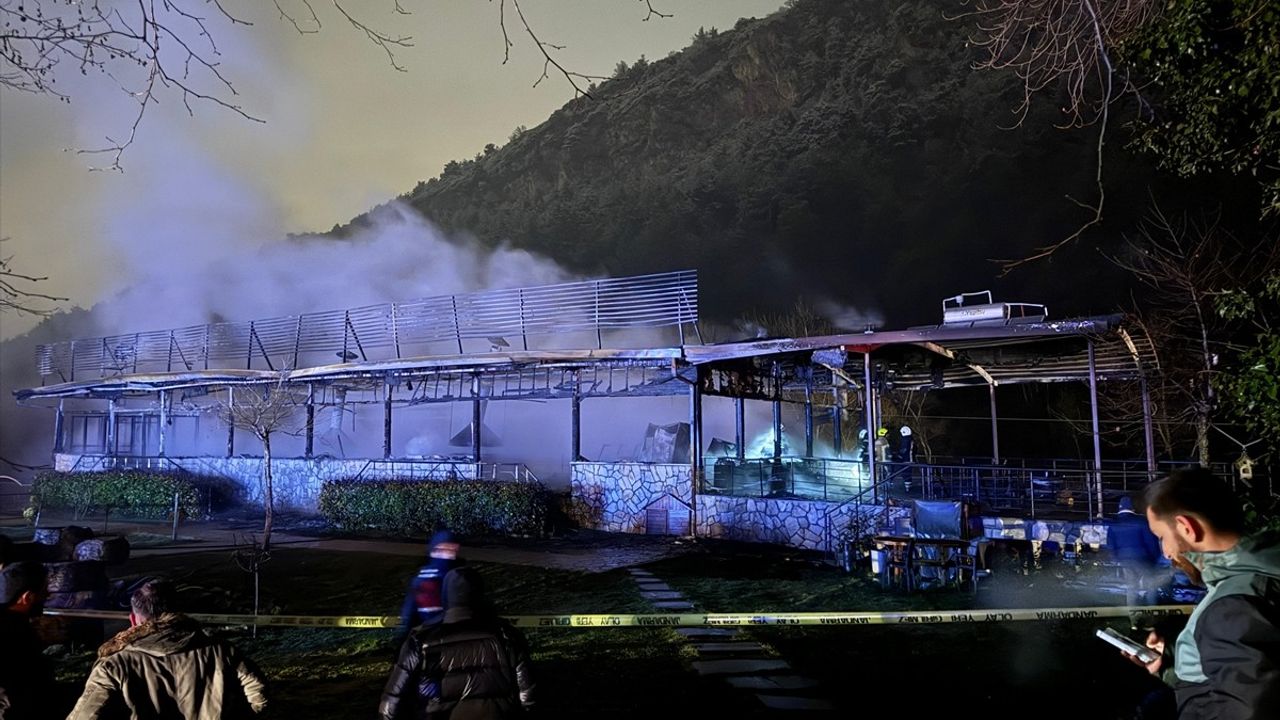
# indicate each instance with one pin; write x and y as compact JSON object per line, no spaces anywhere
{"x":643,"y":301}
{"x":439,"y":469}
{"x":1022,"y":488}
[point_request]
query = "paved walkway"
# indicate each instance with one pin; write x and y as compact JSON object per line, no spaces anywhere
{"x":594,"y":553}
{"x":725,"y":653}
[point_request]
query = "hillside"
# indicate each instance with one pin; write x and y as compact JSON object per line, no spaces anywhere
{"x":842,"y":151}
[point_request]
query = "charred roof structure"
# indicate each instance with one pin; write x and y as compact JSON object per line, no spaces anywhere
{"x":577,"y":341}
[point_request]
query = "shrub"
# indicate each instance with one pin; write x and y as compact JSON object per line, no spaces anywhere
{"x":415,"y":507}
{"x":134,"y":492}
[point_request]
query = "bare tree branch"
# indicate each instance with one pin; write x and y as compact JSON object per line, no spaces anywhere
{"x":1062,"y":45}
{"x":292,"y":21}
{"x":381,"y":39}
{"x":151,"y":47}
{"x":543,"y":47}
{"x":649,"y":4}
{"x":15,"y":297}
{"x":1186,"y":263}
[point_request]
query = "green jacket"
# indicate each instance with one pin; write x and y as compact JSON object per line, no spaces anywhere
{"x":170,"y":668}
{"x":1227,"y":659}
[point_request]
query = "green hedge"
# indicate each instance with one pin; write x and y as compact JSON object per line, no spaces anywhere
{"x":415,"y":507}
{"x":135,"y":493}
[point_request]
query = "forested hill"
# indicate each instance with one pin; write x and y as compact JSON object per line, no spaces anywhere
{"x":843,"y":151}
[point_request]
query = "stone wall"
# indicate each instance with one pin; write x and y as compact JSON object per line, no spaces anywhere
{"x":807,"y":524}
{"x":614,"y":497}
{"x":297,"y":481}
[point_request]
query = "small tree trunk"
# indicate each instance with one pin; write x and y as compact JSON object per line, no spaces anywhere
{"x":1202,"y":436}
{"x":268,"y":492}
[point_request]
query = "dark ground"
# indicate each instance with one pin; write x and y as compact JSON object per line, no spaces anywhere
{"x":1043,"y":669}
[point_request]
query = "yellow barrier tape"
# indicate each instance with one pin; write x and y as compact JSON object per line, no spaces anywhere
{"x":914,"y":617}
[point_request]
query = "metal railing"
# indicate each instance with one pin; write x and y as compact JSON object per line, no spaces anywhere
{"x":445,"y":470}
{"x":14,"y":496}
{"x":372,"y":469}
{"x":809,"y":478}
{"x":1067,"y":489}
{"x":387,"y":330}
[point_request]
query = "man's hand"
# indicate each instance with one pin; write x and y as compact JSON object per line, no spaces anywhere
{"x":1156,"y":643}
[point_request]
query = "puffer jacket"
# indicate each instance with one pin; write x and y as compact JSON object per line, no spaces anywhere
{"x":466,"y":668}
{"x":1227,"y":659}
{"x":169,"y":667}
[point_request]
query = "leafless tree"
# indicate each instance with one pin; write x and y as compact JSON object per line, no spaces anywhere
{"x":150,"y":48}
{"x":1186,"y":264}
{"x":15,"y":293}
{"x":264,"y":411}
{"x":907,"y":407}
{"x":1064,"y":47}
{"x":801,"y":320}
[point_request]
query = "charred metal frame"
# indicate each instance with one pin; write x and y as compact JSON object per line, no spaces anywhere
{"x":373,"y":342}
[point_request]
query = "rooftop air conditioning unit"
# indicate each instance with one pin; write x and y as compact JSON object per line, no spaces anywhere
{"x":978,"y":308}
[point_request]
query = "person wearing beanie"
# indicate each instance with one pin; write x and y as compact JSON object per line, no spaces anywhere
{"x":472,"y":665}
{"x":424,"y":600}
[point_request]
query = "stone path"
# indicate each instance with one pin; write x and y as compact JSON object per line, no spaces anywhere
{"x":724,"y":653}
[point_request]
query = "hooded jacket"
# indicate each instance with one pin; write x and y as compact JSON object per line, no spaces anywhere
{"x":470,"y":666}
{"x":1227,"y":659}
{"x":169,"y":667}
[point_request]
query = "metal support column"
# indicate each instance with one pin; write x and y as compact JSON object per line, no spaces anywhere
{"x":837,"y":436}
{"x":995,"y":426}
{"x":695,"y":448}
{"x":777,"y":412}
{"x":740,"y":427}
{"x":1148,"y":434}
{"x":58,"y":420}
{"x":575,"y":430}
{"x":231,"y":426}
{"x":111,"y":426}
{"x":311,"y":419}
{"x":475,"y":417}
{"x":808,"y":415}
{"x":164,"y":420}
{"x":868,"y":400}
{"x":386,"y":419}
{"x":1097,"y":435}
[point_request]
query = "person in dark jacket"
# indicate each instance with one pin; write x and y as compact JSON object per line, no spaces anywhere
{"x":1225,"y":664}
{"x":472,"y":665}
{"x":166,"y":666}
{"x":1132,"y":544}
{"x":26,"y":680}
{"x":424,"y":601}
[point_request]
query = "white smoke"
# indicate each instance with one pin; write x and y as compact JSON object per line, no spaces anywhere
{"x":400,"y":257}
{"x":848,"y":317}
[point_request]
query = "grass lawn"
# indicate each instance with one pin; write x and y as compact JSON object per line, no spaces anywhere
{"x":328,"y":673}
{"x":1043,"y":669}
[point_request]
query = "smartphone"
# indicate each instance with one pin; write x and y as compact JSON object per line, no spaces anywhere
{"x":1138,"y":650}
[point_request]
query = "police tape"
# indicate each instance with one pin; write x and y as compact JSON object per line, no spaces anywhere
{"x":914,"y":617}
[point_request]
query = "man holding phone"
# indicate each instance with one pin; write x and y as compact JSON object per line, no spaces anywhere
{"x":1226,"y":663}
